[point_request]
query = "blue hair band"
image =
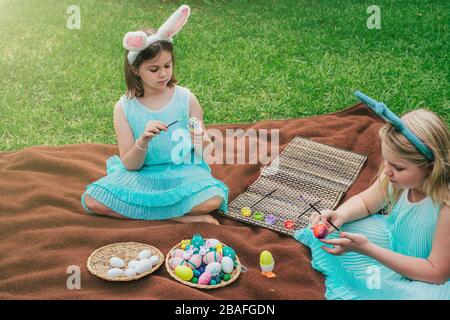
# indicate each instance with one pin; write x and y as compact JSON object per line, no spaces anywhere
{"x":382,"y":110}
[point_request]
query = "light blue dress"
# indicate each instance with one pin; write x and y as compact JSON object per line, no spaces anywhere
{"x":409,"y":230}
{"x":173,"y":178}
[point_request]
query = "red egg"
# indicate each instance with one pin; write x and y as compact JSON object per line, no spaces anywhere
{"x":320,"y":231}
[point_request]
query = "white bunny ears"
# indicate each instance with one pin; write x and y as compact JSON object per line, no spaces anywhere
{"x":136,"y":42}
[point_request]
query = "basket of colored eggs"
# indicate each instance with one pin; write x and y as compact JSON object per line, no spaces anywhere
{"x":124,"y":261}
{"x":203,"y":263}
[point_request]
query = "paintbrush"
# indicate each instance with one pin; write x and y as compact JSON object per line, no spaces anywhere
{"x":172,"y":123}
{"x":263,"y":198}
{"x":312,"y":206}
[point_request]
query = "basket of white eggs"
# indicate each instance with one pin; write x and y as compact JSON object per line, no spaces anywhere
{"x":125,"y":261}
{"x":203,"y":263}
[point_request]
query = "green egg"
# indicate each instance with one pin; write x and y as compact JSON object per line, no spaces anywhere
{"x":258,"y":216}
{"x":227,"y":277}
{"x":194,"y":280}
{"x":229,"y":252}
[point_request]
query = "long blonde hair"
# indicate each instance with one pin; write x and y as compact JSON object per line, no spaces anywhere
{"x":432,"y":131}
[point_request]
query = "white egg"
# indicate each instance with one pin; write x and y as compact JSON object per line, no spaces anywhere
{"x":130,"y":272}
{"x":213,"y":268}
{"x":143,"y":266}
{"x":115,"y":272}
{"x":154,"y":260}
{"x":133,"y":263}
{"x":144,"y":254}
{"x":227,"y":265}
{"x":116,"y":262}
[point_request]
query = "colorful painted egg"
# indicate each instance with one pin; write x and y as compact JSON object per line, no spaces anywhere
{"x":177,"y":253}
{"x":197,"y":241}
{"x":213,"y":282}
{"x":213,"y":268}
{"x":203,"y":250}
{"x":320,"y":230}
{"x":271,"y":219}
{"x":289,"y":224}
{"x":212,"y":256}
{"x":177,"y":261}
{"x":194,"y":261}
{"x":258,"y":216}
{"x":246,"y":211}
{"x":184,"y":243}
{"x":227,"y":264}
{"x":219,"y":248}
{"x":194,"y":123}
{"x":227,"y":277}
{"x":211,"y":243}
{"x":194,"y":280}
{"x":205,"y":278}
{"x":184,"y":273}
{"x":229,"y":252}
{"x":187,"y":255}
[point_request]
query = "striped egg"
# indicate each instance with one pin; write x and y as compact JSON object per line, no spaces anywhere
{"x":177,"y":253}
{"x":212,"y":256}
{"x":211,"y":243}
{"x":194,"y":261}
{"x":177,"y":261}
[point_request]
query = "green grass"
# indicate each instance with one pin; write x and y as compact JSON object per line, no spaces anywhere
{"x":245,"y":60}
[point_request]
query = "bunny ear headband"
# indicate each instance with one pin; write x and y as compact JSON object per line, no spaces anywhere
{"x":136,"y":42}
{"x":382,"y":110}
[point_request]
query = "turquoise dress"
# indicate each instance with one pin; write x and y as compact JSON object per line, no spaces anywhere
{"x":409,"y":230}
{"x":173,"y":178}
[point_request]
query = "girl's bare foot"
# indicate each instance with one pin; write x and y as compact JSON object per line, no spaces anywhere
{"x":206,"y":218}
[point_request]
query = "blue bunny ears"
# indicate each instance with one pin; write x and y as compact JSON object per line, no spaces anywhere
{"x":382,"y":110}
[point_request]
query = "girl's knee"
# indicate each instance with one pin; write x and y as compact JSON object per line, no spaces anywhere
{"x":96,"y":206}
{"x":209,"y":205}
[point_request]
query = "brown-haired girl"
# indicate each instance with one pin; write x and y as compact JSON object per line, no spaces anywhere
{"x":159,"y":174}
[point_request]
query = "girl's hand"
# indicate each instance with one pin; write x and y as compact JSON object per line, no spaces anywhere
{"x":152,"y":129}
{"x":325,"y":216}
{"x":348,"y":242}
{"x":198,"y":136}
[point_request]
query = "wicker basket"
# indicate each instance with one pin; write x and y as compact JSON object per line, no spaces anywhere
{"x":98,"y":261}
{"x":234,"y":275}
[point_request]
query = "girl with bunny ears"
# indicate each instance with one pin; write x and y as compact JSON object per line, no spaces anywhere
{"x":404,"y":254}
{"x":155,"y":179}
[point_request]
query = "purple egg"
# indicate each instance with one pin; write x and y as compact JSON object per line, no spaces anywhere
{"x":270,"y":219}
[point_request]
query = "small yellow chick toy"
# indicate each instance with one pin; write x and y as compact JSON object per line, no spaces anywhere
{"x":267,"y":263}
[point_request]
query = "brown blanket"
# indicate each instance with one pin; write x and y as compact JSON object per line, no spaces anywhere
{"x":44,"y":230}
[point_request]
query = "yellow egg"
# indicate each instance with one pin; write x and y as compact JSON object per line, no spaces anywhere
{"x":266,"y":258}
{"x":246,"y":211}
{"x":184,"y":273}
